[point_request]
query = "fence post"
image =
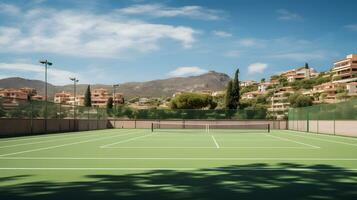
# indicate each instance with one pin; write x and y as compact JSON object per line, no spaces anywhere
{"x":59,"y":118}
{"x":318,"y":119}
{"x":31,"y":119}
{"x":88,"y":118}
{"x":307,"y":121}
{"x":97,"y":119}
{"x":334,"y":122}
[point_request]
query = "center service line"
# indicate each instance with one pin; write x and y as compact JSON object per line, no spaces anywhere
{"x":214,"y":140}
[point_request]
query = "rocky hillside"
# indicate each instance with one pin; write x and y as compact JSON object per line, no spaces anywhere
{"x":156,"y":88}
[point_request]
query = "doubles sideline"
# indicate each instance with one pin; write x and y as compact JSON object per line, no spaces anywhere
{"x":68,"y":144}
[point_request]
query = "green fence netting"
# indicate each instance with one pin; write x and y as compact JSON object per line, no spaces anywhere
{"x":37,"y":109}
{"x":324,"y":118}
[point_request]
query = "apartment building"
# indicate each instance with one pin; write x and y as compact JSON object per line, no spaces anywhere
{"x":279,"y":102}
{"x":263,"y":87}
{"x":99,"y":97}
{"x":351,"y":88}
{"x":327,"y":91}
{"x":251,"y":95}
{"x":13,"y":97}
{"x":300,"y":73}
{"x":247,"y":83}
{"x":345,"y":68}
{"x":119,"y":98}
{"x":62,"y":97}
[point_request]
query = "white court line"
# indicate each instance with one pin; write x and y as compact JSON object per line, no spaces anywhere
{"x":215,"y":142}
{"x":53,"y":135}
{"x":124,"y":141}
{"x":323,"y":134}
{"x":178,"y":158}
{"x":39,"y":142}
{"x":62,"y":145}
{"x":142,"y":147}
{"x":285,"y":139}
{"x":176,"y":169}
{"x":325,"y":140}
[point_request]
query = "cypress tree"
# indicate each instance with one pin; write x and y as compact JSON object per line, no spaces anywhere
{"x":236,"y":90}
{"x":229,"y":101}
{"x":88,"y":98}
{"x":110,"y":103}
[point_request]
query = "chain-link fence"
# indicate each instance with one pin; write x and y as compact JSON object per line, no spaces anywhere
{"x":24,"y":109}
{"x":339,"y":118}
{"x":130,"y":113}
{"x":10,"y":108}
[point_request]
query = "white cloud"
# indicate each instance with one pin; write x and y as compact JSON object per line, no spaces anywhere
{"x":55,"y":76}
{"x":9,"y":9}
{"x":86,"y":34}
{"x":251,"y":42}
{"x":302,"y":56}
{"x":160,"y":10}
{"x":187,"y":71}
{"x":233,"y":54}
{"x":352,"y":27}
{"x":257,"y":68}
{"x":222,"y":34}
{"x":287,"y":15}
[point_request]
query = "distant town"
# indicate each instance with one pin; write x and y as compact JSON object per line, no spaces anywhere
{"x":337,"y":84}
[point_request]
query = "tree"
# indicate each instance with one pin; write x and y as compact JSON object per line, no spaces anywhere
{"x":306,"y":65}
{"x":236,"y":90}
{"x":192,"y":101}
{"x":229,"y":101}
{"x":299,"y":100}
{"x":262,"y":80}
{"x":88,"y":98}
{"x":2,"y":110}
{"x":283,"y":81}
{"x":110,"y":103}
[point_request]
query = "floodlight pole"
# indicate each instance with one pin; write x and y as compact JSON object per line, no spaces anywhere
{"x":75,"y":81}
{"x":46,"y":63}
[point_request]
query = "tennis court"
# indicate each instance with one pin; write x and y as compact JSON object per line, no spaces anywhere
{"x":193,"y":162}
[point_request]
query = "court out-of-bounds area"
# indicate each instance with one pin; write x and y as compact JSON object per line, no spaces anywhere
{"x":190,"y":163}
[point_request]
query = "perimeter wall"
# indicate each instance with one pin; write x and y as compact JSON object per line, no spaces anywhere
{"x":332,"y":127}
{"x":22,"y":127}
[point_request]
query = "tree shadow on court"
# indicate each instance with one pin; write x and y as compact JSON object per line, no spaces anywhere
{"x":219,"y":183}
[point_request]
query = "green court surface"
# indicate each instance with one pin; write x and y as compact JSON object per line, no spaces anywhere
{"x":179,"y":164}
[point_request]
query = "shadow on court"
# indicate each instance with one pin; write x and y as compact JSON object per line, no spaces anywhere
{"x":222,"y":183}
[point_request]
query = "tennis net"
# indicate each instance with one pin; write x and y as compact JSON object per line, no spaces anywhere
{"x":259,"y":128}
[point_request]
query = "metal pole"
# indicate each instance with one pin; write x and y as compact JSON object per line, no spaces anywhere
{"x":45,"y":97}
{"x":115,"y":108}
{"x":46,"y":63}
{"x":75,"y":80}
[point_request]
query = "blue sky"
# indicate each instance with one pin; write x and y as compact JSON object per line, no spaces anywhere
{"x":119,"y":41}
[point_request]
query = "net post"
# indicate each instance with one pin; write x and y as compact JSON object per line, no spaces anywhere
{"x":268,"y":128}
{"x":152,"y":127}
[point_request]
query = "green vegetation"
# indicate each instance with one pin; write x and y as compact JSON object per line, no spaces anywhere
{"x":236,"y":90}
{"x":233,"y":92}
{"x":192,"y":101}
{"x":299,"y":100}
{"x":229,"y":101}
{"x":249,"y":88}
{"x":2,"y":110}
{"x":110,"y":103}
{"x":88,"y":97}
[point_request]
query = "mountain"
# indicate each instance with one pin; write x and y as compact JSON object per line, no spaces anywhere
{"x":157,"y":88}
